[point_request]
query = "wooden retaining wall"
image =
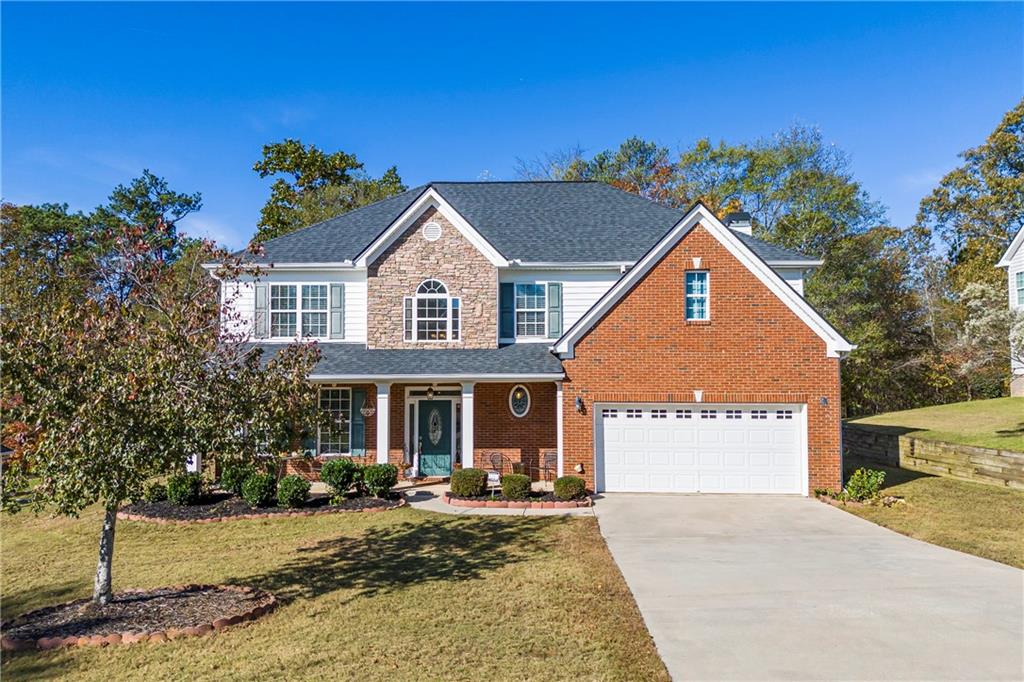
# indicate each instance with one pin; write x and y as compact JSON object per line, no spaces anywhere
{"x":966,"y":462}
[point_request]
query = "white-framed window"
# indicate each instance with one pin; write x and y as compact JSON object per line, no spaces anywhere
{"x":519,"y":401}
{"x":610,"y":413}
{"x":659,"y":414}
{"x":709,"y":414}
{"x":697,"y":289}
{"x":336,"y":438}
{"x":531,"y":310}
{"x":633,"y":414}
{"x":684,"y":414}
{"x":298,"y":310}
{"x":1020,"y":288}
{"x":734,"y":414}
{"x":783,"y":414}
{"x":759,"y":414}
{"x":432,"y":315}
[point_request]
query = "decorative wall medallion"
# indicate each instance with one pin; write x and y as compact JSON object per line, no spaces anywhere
{"x":434,"y":423}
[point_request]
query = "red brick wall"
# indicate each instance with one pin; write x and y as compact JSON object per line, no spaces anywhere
{"x":518,"y":440}
{"x":753,"y":349}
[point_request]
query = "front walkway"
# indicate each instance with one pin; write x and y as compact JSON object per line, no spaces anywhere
{"x":428,"y":498}
{"x":762,"y":587}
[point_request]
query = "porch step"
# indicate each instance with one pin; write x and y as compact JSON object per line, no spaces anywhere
{"x":422,"y":481}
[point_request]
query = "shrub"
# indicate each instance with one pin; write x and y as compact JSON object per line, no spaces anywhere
{"x":570,"y":488}
{"x":259,"y":490}
{"x":185,"y":488}
{"x":154,"y":491}
{"x":515,"y":486}
{"x":379,"y":479}
{"x":292,"y":491}
{"x":469,"y":482}
{"x":339,"y":475}
{"x":234,"y":475}
{"x":864,"y":484}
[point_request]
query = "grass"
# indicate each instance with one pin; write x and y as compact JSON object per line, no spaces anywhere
{"x":404,"y":594}
{"x":997,"y":423}
{"x":979,"y":519}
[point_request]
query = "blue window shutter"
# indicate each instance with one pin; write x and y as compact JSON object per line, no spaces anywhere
{"x":337,"y":311}
{"x":358,"y":431}
{"x":554,"y":310}
{"x":507,"y":306}
{"x":261,"y":318}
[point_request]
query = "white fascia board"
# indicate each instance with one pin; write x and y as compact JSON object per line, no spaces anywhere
{"x":429,"y":199}
{"x":699,"y":214}
{"x":804,"y":264}
{"x":346,"y":264}
{"x":405,"y":378}
{"x":554,"y":265}
{"x":1012,"y":249}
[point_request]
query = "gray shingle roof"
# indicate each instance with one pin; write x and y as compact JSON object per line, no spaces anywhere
{"x":564,"y":222}
{"x":355,"y":360}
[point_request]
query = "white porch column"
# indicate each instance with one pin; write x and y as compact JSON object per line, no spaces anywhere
{"x":558,"y":425}
{"x":467,"y":425}
{"x":383,"y":422}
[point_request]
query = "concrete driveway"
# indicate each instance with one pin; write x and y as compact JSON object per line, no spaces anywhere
{"x":759,"y":587}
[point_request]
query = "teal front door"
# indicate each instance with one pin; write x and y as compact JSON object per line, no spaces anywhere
{"x":435,"y":437}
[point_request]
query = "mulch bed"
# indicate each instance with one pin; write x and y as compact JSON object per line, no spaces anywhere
{"x":535,"y":501}
{"x":227,"y":507}
{"x":136,"y":616}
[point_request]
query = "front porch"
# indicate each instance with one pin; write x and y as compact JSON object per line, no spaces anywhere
{"x":429,"y":429}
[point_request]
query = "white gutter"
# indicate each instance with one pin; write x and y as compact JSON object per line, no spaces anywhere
{"x":403,"y":378}
{"x":287,"y":266}
{"x":516,"y":263}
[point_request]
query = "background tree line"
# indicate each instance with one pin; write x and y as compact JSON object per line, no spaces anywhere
{"x":924,"y":303}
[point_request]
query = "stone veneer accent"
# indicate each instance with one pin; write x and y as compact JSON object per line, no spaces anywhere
{"x":453,"y":260}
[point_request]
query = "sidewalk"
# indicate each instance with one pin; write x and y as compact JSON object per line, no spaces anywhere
{"x":428,"y":498}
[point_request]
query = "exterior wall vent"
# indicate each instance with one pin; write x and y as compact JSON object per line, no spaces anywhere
{"x":432,"y":231}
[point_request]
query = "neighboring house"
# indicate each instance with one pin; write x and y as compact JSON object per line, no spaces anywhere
{"x":640,"y":347}
{"x":1013,"y":261}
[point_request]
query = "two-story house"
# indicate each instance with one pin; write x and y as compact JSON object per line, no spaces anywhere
{"x":1013,"y":261}
{"x":571,"y":328}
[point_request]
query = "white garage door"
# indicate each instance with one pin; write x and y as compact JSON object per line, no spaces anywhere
{"x":701,"y":448}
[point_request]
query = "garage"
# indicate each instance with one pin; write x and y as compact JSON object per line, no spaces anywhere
{"x":701,"y":448}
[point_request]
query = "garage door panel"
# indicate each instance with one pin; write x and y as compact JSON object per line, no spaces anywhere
{"x":726,"y":448}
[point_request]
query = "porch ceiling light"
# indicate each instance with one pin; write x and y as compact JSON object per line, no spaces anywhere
{"x":430,"y":391}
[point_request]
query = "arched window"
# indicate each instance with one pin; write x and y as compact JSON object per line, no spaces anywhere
{"x":431,"y":315}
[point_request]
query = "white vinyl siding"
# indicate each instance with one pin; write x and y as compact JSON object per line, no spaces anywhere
{"x":580,"y":288}
{"x":242,"y":296}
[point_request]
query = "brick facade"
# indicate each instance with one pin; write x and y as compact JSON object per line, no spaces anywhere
{"x":523,"y":439}
{"x":453,"y":260}
{"x":753,"y":349}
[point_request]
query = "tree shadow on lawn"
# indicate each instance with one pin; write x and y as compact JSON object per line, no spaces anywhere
{"x":44,"y":595}
{"x":893,"y":475}
{"x":1011,"y":432}
{"x":385,"y":559}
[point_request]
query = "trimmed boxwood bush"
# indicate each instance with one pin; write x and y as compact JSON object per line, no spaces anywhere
{"x":515,"y":486}
{"x":154,"y":491}
{"x":259,"y":490}
{"x":469,"y":482}
{"x":234,"y":475}
{"x":340,"y":475}
{"x":570,"y":488}
{"x":185,"y":488}
{"x":292,"y":491}
{"x":379,"y":479}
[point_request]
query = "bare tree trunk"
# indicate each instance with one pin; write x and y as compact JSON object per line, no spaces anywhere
{"x":101,"y":592}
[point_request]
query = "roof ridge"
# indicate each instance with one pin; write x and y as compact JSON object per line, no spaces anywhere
{"x":515,"y":182}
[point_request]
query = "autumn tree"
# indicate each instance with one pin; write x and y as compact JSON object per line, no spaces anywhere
{"x":977,"y":208}
{"x":313,"y":185}
{"x":120,"y":372}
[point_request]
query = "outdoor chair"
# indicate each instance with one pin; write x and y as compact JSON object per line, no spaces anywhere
{"x":549,"y":465}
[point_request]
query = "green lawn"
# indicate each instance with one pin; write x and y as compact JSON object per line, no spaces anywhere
{"x":397,"y":595}
{"x":984,"y":520}
{"x":997,"y":423}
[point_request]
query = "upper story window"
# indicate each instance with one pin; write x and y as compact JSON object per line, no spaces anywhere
{"x":432,"y":315}
{"x":1020,"y":288}
{"x":531,"y":310}
{"x":290,"y":312}
{"x":697,"y":307}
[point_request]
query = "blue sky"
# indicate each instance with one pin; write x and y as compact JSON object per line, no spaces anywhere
{"x":94,"y":93}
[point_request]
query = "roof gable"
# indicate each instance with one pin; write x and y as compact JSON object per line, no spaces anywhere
{"x":699,"y":214}
{"x":1012,"y":249}
{"x":427,"y":200}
